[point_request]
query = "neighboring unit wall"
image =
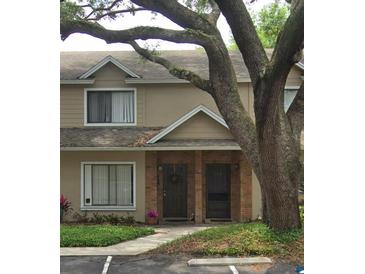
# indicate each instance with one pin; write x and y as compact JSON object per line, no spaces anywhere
{"x":71,"y":178}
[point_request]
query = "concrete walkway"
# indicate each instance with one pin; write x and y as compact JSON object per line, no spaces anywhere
{"x":162,"y":235}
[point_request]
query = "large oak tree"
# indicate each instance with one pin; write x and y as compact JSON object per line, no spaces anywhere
{"x":271,"y":142}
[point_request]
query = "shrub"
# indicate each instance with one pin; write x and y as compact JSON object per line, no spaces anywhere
{"x":65,"y":206}
{"x":97,"y":219}
{"x":80,"y":218}
{"x":129,"y":220}
{"x":112,"y":219}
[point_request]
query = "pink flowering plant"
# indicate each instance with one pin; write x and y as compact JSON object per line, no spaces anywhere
{"x":152,"y":214}
{"x":65,"y":205}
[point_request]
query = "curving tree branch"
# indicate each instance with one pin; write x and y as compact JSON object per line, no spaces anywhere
{"x":288,"y":49}
{"x":246,"y":37}
{"x":180,"y":73}
{"x":177,"y":13}
{"x":113,"y":13}
{"x":215,"y":13}
{"x":69,"y":27}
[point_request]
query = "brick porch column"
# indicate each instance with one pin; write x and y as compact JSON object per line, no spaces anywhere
{"x":198,"y":187}
{"x":245,"y":189}
{"x":151,"y":181}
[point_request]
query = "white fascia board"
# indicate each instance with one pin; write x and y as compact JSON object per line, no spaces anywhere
{"x":170,"y":81}
{"x":102,"y":63}
{"x":186,"y":117}
{"x":300,"y":65}
{"x":77,"y":82}
{"x":179,"y":148}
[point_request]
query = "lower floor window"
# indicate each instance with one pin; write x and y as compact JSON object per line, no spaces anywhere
{"x":108,"y":184}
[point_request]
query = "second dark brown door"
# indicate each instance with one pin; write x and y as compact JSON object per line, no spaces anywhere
{"x":174,"y":191}
{"x":218,"y":188}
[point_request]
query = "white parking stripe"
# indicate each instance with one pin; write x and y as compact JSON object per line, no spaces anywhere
{"x":233,"y":269}
{"x":106,"y":265}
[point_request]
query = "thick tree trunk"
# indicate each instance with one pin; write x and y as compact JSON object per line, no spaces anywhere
{"x":279,"y":160}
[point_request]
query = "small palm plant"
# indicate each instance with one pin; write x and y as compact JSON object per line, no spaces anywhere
{"x":65,"y":206}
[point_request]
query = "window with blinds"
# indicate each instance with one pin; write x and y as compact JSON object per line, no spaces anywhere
{"x":108,"y":184}
{"x":111,"y":107}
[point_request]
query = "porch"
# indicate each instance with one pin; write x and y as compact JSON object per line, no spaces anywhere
{"x":199,"y":186}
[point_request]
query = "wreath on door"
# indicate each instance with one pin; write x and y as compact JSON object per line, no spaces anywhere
{"x":174,"y":178}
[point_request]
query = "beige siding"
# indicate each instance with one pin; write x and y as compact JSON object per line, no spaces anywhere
{"x":72,"y":106}
{"x":109,"y":76}
{"x":157,"y":104}
{"x":72,"y":96}
{"x":164,"y":104}
{"x":200,"y":126}
{"x":71,"y":177}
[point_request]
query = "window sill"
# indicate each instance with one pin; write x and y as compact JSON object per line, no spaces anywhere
{"x":107,"y":208}
{"x":110,"y":124}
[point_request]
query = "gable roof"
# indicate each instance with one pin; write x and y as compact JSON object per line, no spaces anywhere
{"x":102,"y":63}
{"x":187,"y":116}
{"x":74,"y":64}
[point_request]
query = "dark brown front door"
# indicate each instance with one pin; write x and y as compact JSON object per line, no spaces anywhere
{"x":218,"y":181}
{"x":174,"y":191}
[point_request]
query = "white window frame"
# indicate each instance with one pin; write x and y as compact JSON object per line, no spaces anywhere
{"x":106,"y":208}
{"x":290,"y":87}
{"x":86,"y":90}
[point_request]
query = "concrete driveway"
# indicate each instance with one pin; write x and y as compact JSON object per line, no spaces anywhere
{"x":159,"y":264}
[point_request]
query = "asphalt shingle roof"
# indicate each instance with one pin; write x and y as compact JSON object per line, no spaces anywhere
{"x":128,"y":137}
{"x":107,"y":137}
{"x":74,"y":64}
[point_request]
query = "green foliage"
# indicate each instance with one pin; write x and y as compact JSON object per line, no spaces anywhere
{"x":70,"y":11}
{"x":244,"y":239}
{"x":99,"y":235}
{"x":80,"y":217}
{"x":199,"y":6}
{"x":269,"y":22}
{"x":112,"y":219}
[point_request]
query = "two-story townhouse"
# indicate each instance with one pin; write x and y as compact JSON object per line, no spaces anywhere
{"x":134,"y":139}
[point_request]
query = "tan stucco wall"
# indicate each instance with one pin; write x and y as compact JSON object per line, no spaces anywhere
{"x":200,"y":126}
{"x":71,"y":177}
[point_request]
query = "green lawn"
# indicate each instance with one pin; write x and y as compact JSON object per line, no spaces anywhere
{"x":99,"y":235}
{"x":245,"y":239}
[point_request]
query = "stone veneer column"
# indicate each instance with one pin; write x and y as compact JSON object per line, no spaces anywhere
{"x":245,"y":189}
{"x":198,"y":187}
{"x":151,"y":181}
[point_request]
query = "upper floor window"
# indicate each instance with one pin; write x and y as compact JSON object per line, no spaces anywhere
{"x":289,"y":95}
{"x":114,"y":107}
